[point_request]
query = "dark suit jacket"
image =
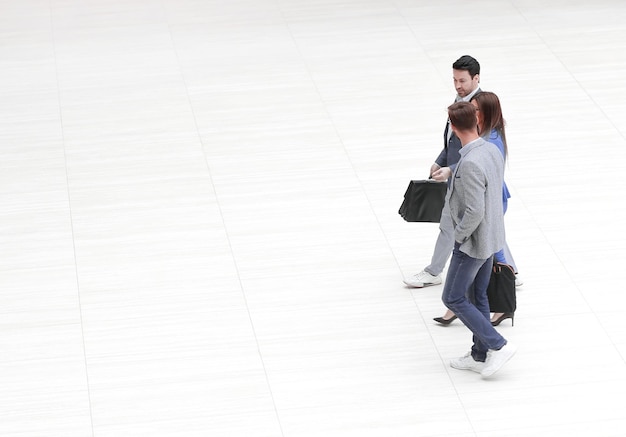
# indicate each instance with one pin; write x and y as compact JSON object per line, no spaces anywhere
{"x":450,"y":155}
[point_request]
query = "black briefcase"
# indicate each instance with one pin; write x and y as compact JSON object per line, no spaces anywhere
{"x":423,"y":201}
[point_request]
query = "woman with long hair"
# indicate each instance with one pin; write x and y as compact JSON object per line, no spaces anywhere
{"x":491,"y":128}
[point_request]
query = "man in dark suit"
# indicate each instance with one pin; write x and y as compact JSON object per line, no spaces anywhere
{"x":466,"y":76}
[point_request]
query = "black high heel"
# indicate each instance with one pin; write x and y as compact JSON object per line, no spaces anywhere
{"x":444,"y":321}
{"x":504,"y":317}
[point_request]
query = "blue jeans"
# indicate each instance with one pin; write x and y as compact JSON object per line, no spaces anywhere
{"x":465,"y":294}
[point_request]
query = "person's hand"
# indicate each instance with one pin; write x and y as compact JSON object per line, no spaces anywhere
{"x":442,"y":174}
{"x":434,"y":168}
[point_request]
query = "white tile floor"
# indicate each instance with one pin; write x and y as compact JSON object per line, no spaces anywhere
{"x":199,"y":217}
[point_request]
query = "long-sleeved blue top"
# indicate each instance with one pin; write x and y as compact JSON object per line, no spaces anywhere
{"x":495,"y":138}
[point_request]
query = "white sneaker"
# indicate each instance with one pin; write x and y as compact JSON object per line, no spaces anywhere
{"x":466,"y":362}
{"x":422,"y":279}
{"x":497,"y":358}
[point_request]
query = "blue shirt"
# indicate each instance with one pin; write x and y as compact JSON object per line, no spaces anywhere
{"x":495,"y":138}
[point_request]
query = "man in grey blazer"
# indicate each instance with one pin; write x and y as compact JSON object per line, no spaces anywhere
{"x":475,"y":201}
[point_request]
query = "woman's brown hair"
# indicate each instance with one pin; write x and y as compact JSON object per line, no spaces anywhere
{"x":492,"y":119}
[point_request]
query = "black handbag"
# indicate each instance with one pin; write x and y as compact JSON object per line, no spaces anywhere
{"x":501,"y":289}
{"x":423,"y":201}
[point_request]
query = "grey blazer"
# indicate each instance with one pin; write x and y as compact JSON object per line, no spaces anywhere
{"x":475,"y":199}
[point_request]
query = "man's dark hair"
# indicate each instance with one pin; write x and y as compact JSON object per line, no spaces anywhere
{"x":468,"y":64}
{"x":463,"y":116}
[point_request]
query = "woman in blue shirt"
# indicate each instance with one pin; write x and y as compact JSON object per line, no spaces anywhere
{"x":491,"y":128}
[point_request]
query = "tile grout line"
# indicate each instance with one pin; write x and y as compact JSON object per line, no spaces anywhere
{"x":343,"y":147}
{"x":619,"y":133}
{"x":224,"y":226}
{"x":71,"y":219}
